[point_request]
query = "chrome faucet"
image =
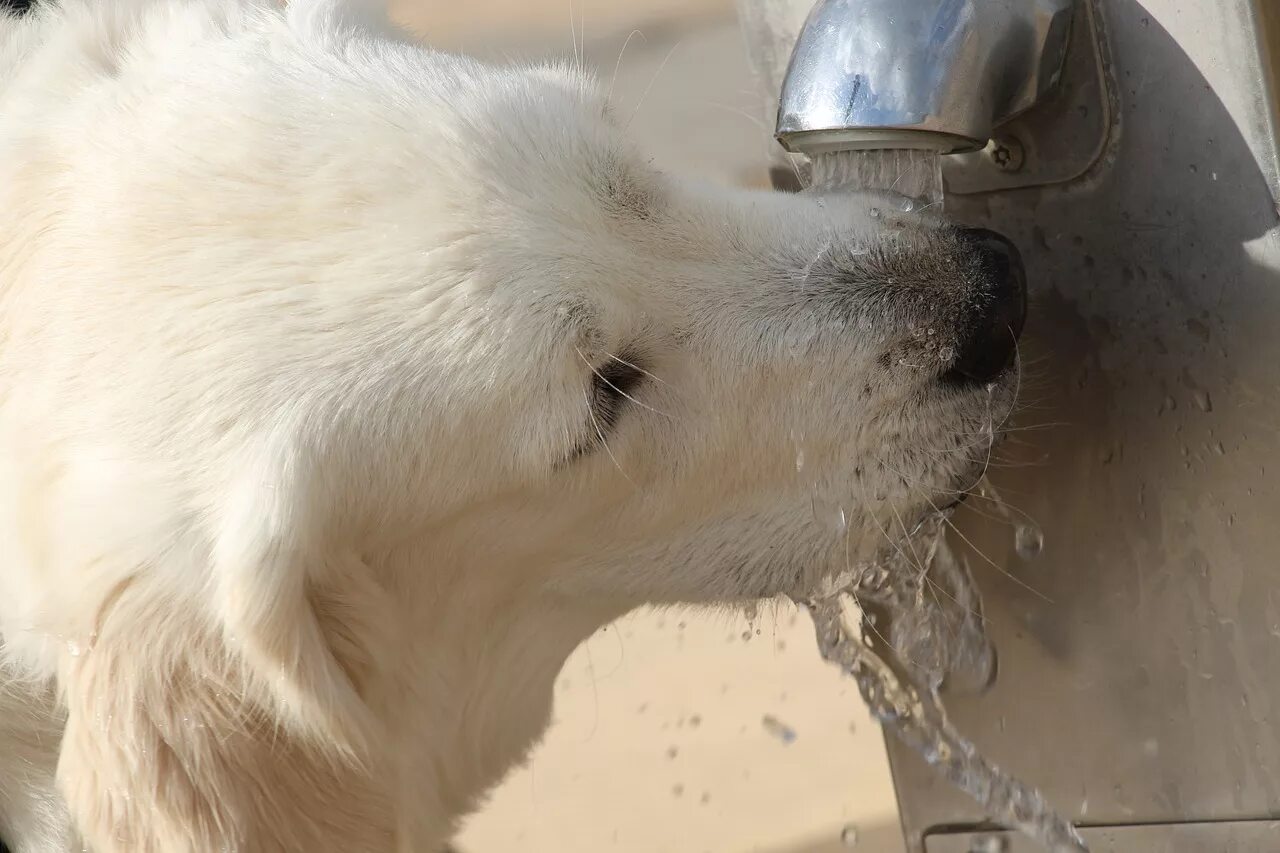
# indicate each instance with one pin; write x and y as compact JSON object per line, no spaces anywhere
{"x":940,"y":75}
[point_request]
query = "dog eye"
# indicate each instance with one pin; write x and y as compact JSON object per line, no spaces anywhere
{"x":612,"y":385}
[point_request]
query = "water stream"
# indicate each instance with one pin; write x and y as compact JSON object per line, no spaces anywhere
{"x":923,"y":629}
{"x":922,"y":625}
{"x":913,"y":175}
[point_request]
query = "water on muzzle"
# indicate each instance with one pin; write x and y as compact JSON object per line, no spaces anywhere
{"x":922,"y":624}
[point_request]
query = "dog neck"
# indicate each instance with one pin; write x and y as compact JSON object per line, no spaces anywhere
{"x":470,"y":692}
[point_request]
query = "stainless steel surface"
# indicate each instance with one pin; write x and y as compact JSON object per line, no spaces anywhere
{"x":1061,"y":138}
{"x":1140,"y":683}
{"x":1227,"y":837}
{"x":936,"y":74}
{"x":1064,"y":135}
{"x":1146,"y":689}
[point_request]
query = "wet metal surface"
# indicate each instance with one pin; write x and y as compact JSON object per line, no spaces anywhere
{"x":1145,"y":688}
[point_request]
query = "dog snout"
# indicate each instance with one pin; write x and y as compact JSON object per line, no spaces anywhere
{"x":989,"y":342}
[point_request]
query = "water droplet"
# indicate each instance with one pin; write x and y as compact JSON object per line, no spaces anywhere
{"x":874,"y":213}
{"x":829,"y":514}
{"x":946,"y":354}
{"x":778,"y":729}
{"x":849,"y":836}
{"x":746,"y":636}
{"x":1028,"y":541}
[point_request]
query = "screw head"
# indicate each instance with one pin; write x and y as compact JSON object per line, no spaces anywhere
{"x":1006,"y":153}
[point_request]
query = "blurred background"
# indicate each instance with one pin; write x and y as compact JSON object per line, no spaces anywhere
{"x":687,"y":732}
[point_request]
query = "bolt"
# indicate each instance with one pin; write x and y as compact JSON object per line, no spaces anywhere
{"x":1007,"y":154}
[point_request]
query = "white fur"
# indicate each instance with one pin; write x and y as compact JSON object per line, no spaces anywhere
{"x":301,"y":503}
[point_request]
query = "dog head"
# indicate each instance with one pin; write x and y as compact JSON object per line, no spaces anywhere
{"x":665,"y":391}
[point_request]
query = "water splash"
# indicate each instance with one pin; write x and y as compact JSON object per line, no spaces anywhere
{"x":778,"y":729}
{"x":1028,"y":541}
{"x":922,"y":619}
{"x":1028,"y":538}
{"x":923,"y":628}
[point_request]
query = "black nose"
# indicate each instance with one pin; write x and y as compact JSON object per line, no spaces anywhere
{"x":989,"y":343}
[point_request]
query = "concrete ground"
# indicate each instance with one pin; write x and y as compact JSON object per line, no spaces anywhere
{"x":680,"y":731}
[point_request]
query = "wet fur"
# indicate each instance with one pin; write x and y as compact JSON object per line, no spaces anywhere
{"x":302,"y":500}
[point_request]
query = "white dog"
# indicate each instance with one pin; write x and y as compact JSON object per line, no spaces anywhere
{"x":345,"y":386}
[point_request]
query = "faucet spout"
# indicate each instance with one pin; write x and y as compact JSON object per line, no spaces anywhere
{"x":939,"y":75}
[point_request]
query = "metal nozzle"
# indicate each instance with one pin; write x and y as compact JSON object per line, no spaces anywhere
{"x":932,"y":74}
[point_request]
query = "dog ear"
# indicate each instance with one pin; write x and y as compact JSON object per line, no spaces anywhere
{"x":171,"y":747}
{"x":305,"y":617}
{"x":232,"y":715}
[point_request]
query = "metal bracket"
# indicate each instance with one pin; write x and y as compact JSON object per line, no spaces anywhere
{"x":1059,"y":139}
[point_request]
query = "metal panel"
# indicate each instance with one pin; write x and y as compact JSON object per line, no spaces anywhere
{"x":1141,"y":682}
{"x":1234,"y":837}
{"x":1146,"y":689}
{"x":1059,"y":139}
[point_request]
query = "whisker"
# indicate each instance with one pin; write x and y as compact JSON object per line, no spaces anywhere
{"x":928,"y":500}
{"x":854,"y":595}
{"x":595,"y":691}
{"x":1017,"y":388}
{"x":1007,"y":507}
{"x":1009,"y":430}
{"x":743,"y":113}
{"x":653,"y":80}
{"x":924,"y":569}
{"x":947,"y":520}
{"x":606,"y":381}
{"x":1017,"y":580}
{"x":604,"y":443}
{"x":638,"y":368}
{"x":618,"y":65}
